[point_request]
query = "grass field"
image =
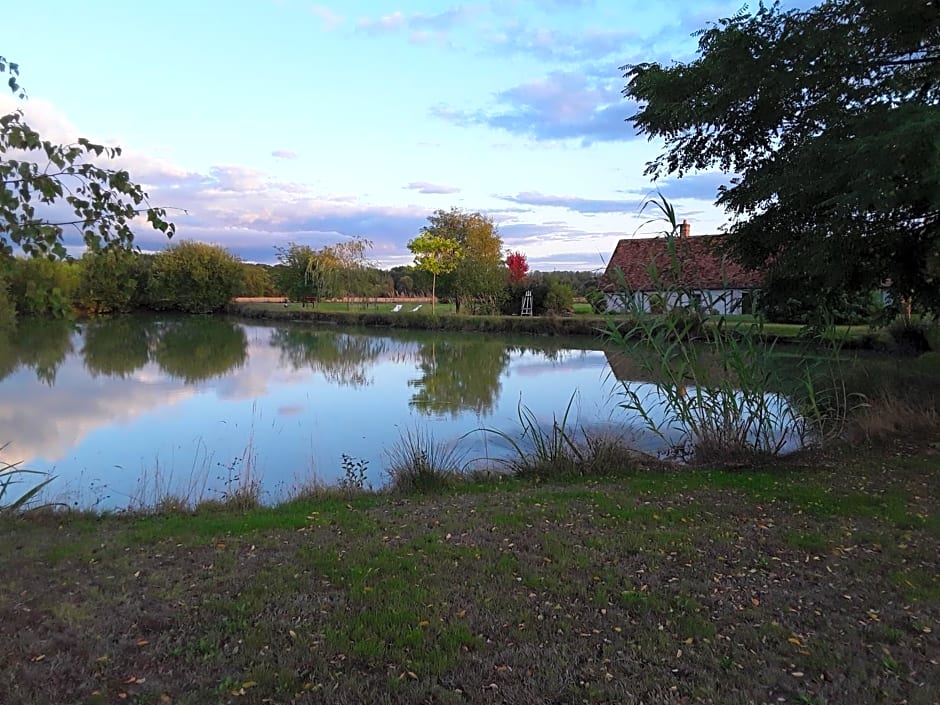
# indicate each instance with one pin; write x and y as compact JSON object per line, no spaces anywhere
{"x":814,"y":581}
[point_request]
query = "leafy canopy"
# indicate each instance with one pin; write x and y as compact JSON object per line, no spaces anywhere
{"x":435,"y":254}
{"x":830,"y":118}
{"x":518,"y":266}
{"x":478,"y":278}
{"x":38,"y":178}
{"x":194,"y":277}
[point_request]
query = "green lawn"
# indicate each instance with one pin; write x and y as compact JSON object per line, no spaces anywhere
{"x":814,"y":581}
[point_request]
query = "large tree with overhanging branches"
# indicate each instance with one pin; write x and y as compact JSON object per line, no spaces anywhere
{"x":829,"y":118}
{"x":46,"y":188}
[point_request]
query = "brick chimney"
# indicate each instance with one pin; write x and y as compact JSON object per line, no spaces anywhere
{"x":684,"y":228}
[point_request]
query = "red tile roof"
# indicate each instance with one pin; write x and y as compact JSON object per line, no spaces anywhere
{"x":702,"y":266}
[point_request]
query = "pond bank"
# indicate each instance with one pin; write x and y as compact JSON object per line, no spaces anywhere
{"x":812,"y":581}
{"x":529,"y":325}
{"x":579,"y":326}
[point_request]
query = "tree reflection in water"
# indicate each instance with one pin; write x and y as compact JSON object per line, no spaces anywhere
{"x":117,"y":347}
{"x":342,"y":358}
{"x":36,"y":343}
{"x":198,"y":348}
{"x":459,"y":375}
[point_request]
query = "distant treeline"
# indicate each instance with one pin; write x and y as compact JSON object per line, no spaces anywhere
{"x":199,"y":278}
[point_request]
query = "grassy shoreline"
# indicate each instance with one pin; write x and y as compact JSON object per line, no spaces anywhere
{"x":581,"y":324}
{"x":812,"y":580}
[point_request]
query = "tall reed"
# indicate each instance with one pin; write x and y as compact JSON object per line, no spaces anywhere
{"x":13,"y":499}
{"x":718,"y":392}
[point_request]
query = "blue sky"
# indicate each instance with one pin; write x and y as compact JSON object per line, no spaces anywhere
{"x":271,"y":121}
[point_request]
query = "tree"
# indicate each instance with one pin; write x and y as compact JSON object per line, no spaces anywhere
{"x":107,"y":282}
{"x":831,"y":118}
{"x":518,"y":266}
{"x":304,"y":273}
{"x":257,"y":280}
{"x":478,"y":278}
{"x":350,"y":261}
{"x":44,"y":176}
{"x":435,"y":254}
{"x":194,"y":277}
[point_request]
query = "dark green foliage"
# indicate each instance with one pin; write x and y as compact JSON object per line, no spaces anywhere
{"x":257,"y":281}
{"x":512,"y":300}
{"x":410,"y":280}
{"x":107,"y":282}
{"x":785,"y":300}
{"x":194,"y":278}
{"x":142,"y":264}
{"x":910,"y":336}
{"x":372,"y":282}
{"x":559,"y":299}
{"x":830,"y":116}
{"x":44,"y":287}
{"x":580,"y":282}
{"x":7,"y":308}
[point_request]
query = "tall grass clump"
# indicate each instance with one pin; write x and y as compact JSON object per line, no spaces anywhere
{"x":17,"y":488}
{"x":561,"y":448}
{"x":540,"y":450}
{"x":718,"y":392}
{"x":417,"y":463}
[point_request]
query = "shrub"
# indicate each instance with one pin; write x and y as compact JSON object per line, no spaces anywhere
{"x":42,"y":287}
{"x":514,"y":293}
{"x":910,"y":336}
{"x":559,"y":299}
{"x":418,"y":463}
{"x":933,"y":337}
{"x":106,"y":281}
{"x":194,"y":277}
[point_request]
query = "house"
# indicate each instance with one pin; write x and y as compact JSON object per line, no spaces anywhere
{"x":645,"y":270}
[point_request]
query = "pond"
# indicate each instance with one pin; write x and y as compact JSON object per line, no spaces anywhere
{"x":122,"y":410}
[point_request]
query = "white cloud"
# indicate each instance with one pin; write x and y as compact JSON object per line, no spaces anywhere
{"x":426,"y":187}
{"x":330,"y":19}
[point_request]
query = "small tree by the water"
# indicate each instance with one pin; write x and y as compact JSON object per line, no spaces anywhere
{"x":436,"y":255}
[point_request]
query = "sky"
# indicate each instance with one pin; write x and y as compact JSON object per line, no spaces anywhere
{"x":264,"y":122}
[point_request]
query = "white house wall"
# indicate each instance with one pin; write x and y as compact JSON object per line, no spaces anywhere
{"x":720,"y":301}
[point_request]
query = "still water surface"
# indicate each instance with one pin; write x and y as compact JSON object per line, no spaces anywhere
{"x":122,"y":409}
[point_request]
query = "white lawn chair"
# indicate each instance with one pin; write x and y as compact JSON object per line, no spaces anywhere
{"x":396,"y":308}
{"x":416,"y":308}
